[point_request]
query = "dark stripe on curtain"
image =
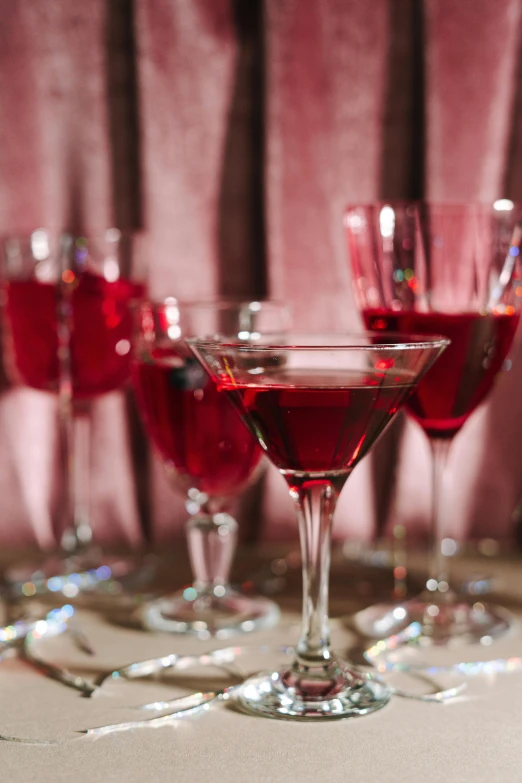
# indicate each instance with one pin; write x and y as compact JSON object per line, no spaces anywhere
{"x":241,"y":220}
{"x":124,"y":140}
{"x":402,"y":176}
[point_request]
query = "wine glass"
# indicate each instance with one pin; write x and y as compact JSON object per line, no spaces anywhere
{"x":316,"y":405}
{"x":68,"y":323}
{"x":209,"y":455}
{"x":452,"y":269}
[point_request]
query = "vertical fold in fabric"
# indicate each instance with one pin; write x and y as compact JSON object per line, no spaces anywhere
{"x":186,"y":51}
{"x":326,"y":78}
{"x":186,"y":68}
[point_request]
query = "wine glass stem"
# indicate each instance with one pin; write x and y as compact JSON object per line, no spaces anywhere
{"x":212,"y":540}
{"x":438,"y":571}
{"x":76,"y":422}
{"x":75,"y":418}
{"x":315,"y":500}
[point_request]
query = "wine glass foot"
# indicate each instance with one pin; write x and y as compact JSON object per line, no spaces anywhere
{"x":84,"y":572}
{"x":440,"y":623}
{"x":276,"y":695}
{"x":220,"y":612}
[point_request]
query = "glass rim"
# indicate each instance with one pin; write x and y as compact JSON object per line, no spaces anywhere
{"x":222,"y":303}
{"x":437,"y":204}
{"x":99,"y":234}
{"x":411,"y":343}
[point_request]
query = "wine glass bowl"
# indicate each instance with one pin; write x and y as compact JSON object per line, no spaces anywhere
{"x":316,"y":404}
{"x":452,"y":269}
{"x":208,"y":453}
{"x":69,"y":314}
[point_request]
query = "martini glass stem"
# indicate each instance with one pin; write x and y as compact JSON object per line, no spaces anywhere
{"x":438,"y":571}
{"x":315,"y":500}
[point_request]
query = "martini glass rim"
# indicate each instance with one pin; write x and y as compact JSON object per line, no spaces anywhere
{"x":402,"y":342}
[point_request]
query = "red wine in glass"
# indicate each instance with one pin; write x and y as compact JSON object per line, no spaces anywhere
{"x":463,"y":376}
{"x":193,"y":425}
{"x":454,"y":269}
{"x":100,"y":338}
{"x":68,"y":317}
{"x":209,"y":454}
{"x":323,"y":421}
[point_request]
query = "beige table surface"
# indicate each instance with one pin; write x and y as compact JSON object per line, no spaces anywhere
{"x":474,"y":738}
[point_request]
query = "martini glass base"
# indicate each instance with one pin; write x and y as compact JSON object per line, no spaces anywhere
{"x":221,"y":612}
{"x":276,"y":695}
{"x":442,"y":622}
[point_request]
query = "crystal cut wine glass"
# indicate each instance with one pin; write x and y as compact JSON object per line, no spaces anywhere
{"x":68,"y":317}
{"x":452,"y":269}
{"x":316,"y":405}
{"x":208,"y":453}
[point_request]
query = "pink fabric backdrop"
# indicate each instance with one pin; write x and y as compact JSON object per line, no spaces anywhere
{"x":151,"y":113}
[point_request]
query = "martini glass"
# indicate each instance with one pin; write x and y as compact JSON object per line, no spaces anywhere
{"x":451,"y":269}
{"x":68,"y":323}
{"x":316,"y":405}
{"x":209,"y":455}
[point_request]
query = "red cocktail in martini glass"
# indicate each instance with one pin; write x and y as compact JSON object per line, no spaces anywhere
{"x":316,"y":404}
